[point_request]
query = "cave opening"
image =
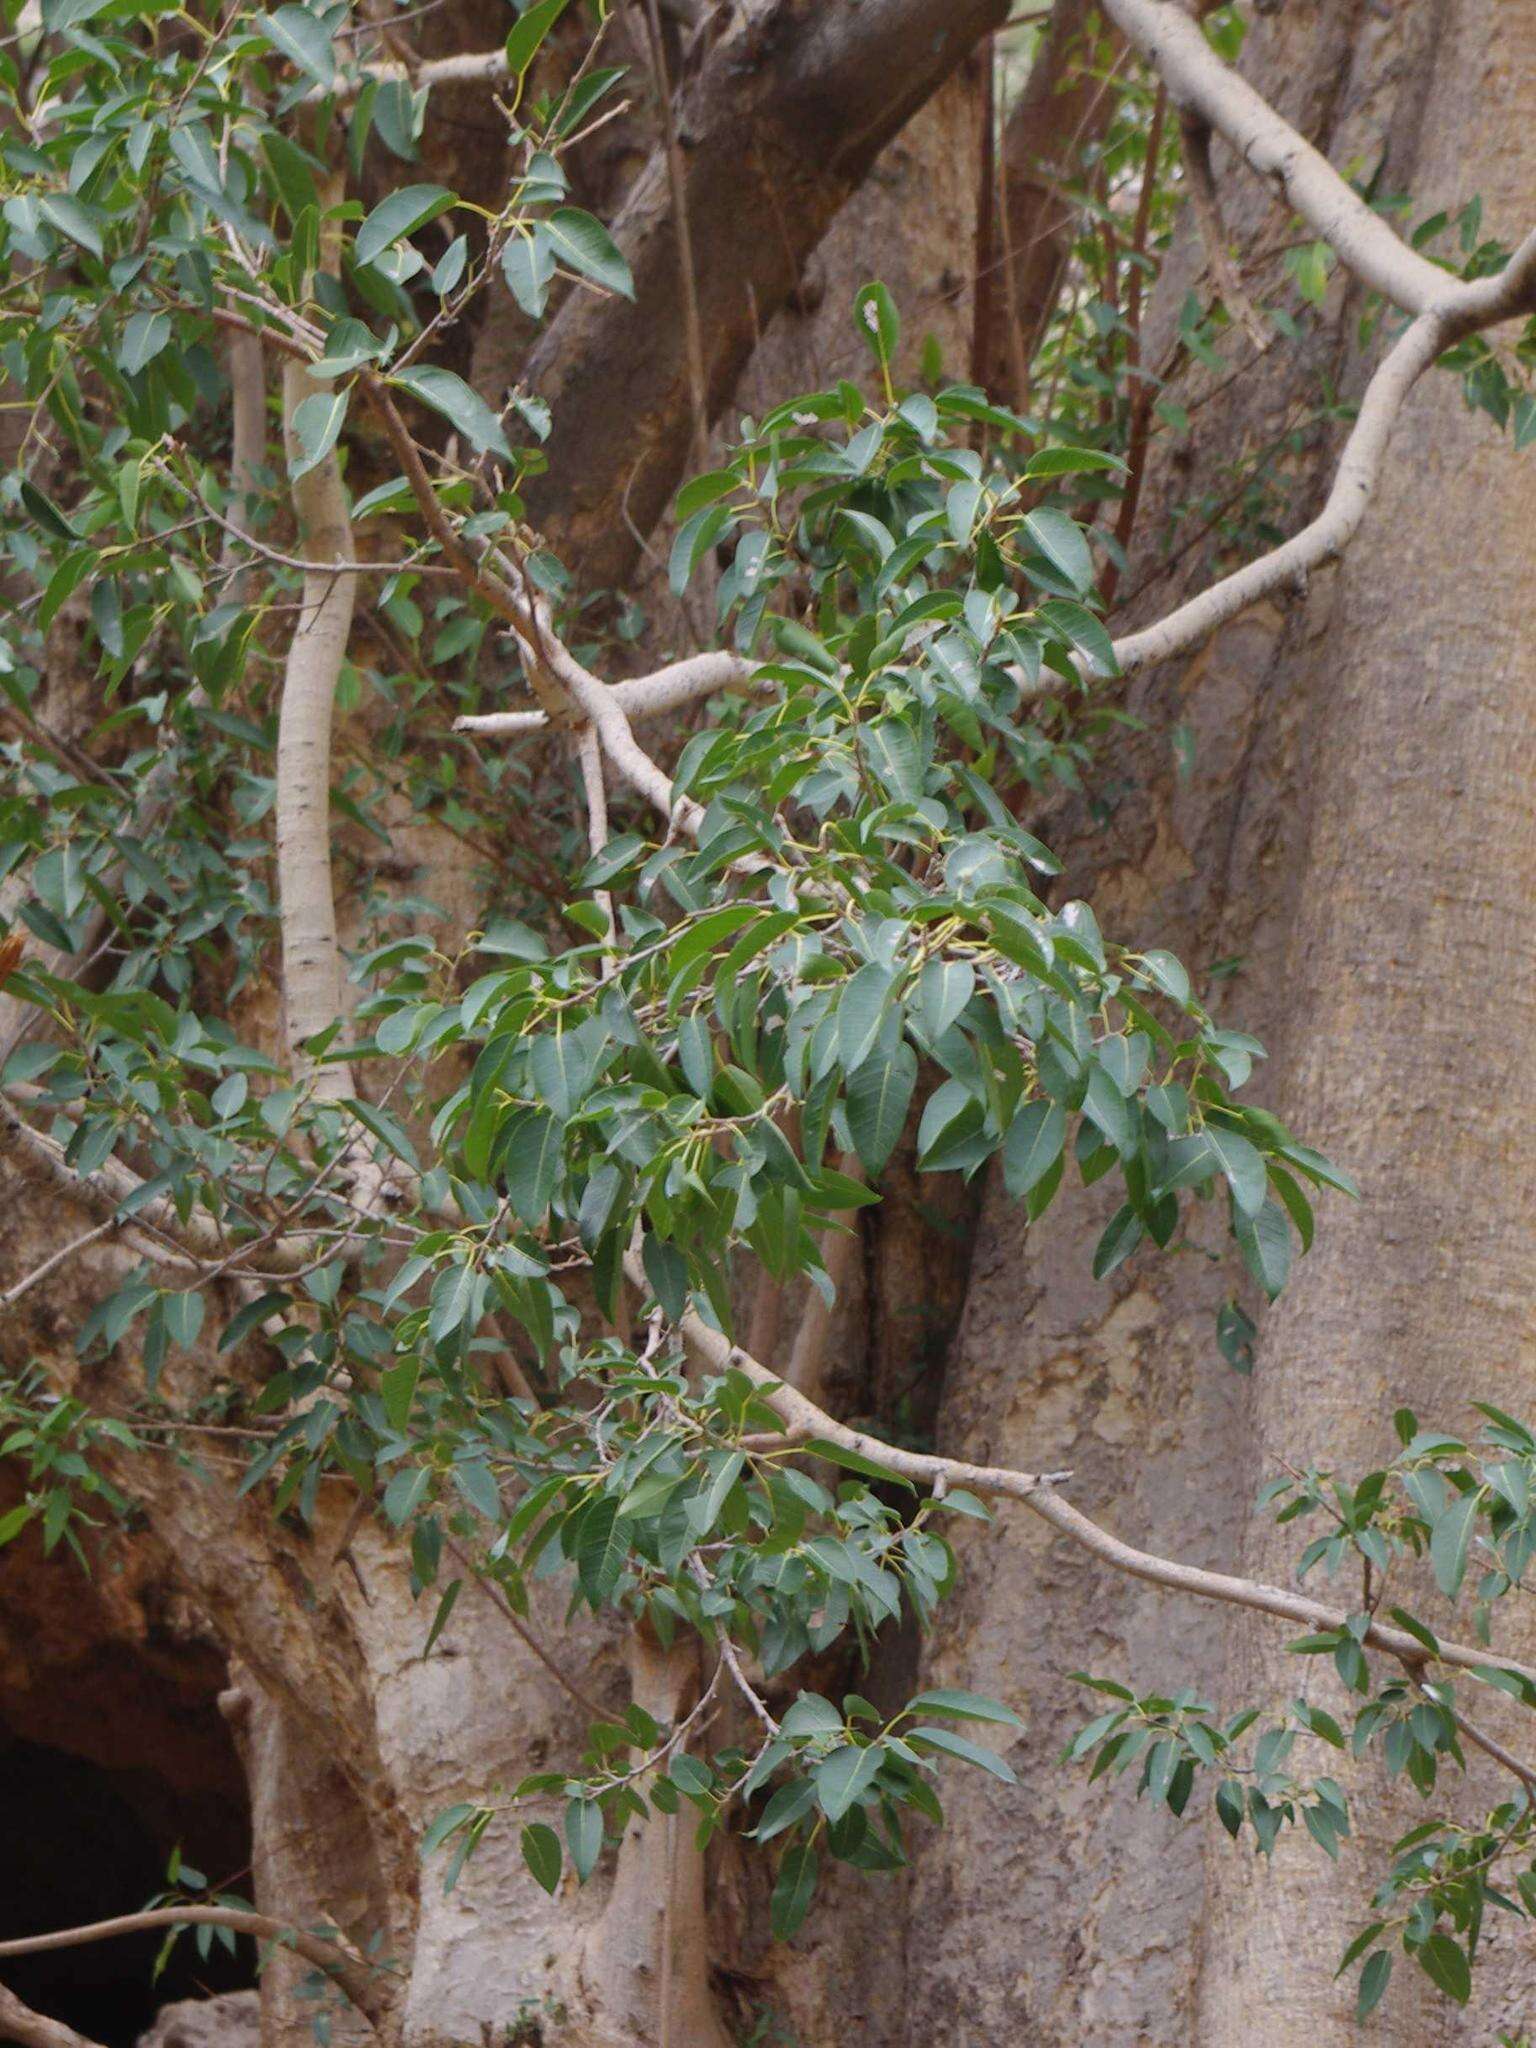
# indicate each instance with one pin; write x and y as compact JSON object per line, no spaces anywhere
{"x":113,"y":1755}
{"x":83,"y":1841}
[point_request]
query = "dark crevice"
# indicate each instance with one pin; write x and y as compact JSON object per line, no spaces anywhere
{"x":84,"y":1842}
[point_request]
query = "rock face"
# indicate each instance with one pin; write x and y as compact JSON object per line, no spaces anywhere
{"x":233,"y":2021}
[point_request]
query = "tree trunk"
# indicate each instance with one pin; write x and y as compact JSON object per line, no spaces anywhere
{"x":787,"y":115}
{"x":598,"y":1968}
{"x":1357,"y":827}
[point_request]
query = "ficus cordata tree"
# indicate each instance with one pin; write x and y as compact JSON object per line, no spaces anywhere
{"x":589,"y":1117}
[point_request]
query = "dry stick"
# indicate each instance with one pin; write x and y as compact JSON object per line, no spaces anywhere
{"x":693,"y":333}
{"x":155,"y":1225}
{"x":1488,"y":1744}
{"x":65,"y":1252}
{"x":20,"y":2023}
{"x":1141,"y":387}
{"x":467,"y":67}
{"x":336,"y":1958}
{"x":1206,"y":201}
{"x":1037,"y":1492}
{"x":520,"y":1628}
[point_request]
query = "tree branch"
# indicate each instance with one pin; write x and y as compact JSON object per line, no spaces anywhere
{"x":307,"y":905}
{"x":1202,"y":85}
{"x":336,"y":1957}
{"x":1463,"y":309}
{"x":651,"y":696}
{"x":31,"y":2029}
{"x":1037,"y":1492}
{"x":1206,"y":201}
{"x":1213,"y":97}
{"x":198,"y":1242}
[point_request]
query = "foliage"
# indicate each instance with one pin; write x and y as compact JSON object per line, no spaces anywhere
{"x":698,"y":1049}
{"x":1467,"y":1510}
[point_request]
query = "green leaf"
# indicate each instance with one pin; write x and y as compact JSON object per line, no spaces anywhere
{"x":448,"y":1822}
{"x":877,"y":321}
{"x":1265,"y":1243}
{"x":1169,"y":974}
{"x":965,"y":1706}
{"x":1081,"y":630}
{"x":1243,"y":1166}
{"x":292,"y":173}
{"x":861,"y":1012}
{"x":1450,"y":1542}
{"x":600,"y":1550}
{"x":50,"y":518}
{"x":531,"y":1162}
{"x":400,"y":214}
{"x":1061,"y":541}
{"x":726,"y":1474}
{"x":845,"y":1776}
{"x":531,"y":29}
{"x":794,"y":1891}
{"x":445,"y":1607}
{"x":810,"y":1714}
{"x":853,"y":1461}
{"x":397,"y":1388}
{"x":303,"y":39}
{"x":1066,"y":461}
{"x":71,"y":219}
{"x":892,"y":754}
{"x":879,"y":1096}
{"x":145,"y":335}
{"x":584,"y":1834}
{"x":583,"y":244}
{"x":1373,"y":1982}
{"x":317,"y":421}
{"x":405,"y":1493}
{"x":1444,"y":1961}
{"x":968,"y":1752}
{"x":1108,"y":1111}
{"x":960,"y":507}
{"x":785,"y":1808}
{"x":1033,"y":1145}
{"x":943,"y":989}
{"x":462,"y":407}
{"x":541,"y":1853}
{"x":667,"y":1271}
{"x":528,"y":265}
{"x":1122,"y":1234}
{"x":183,"y":1318}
